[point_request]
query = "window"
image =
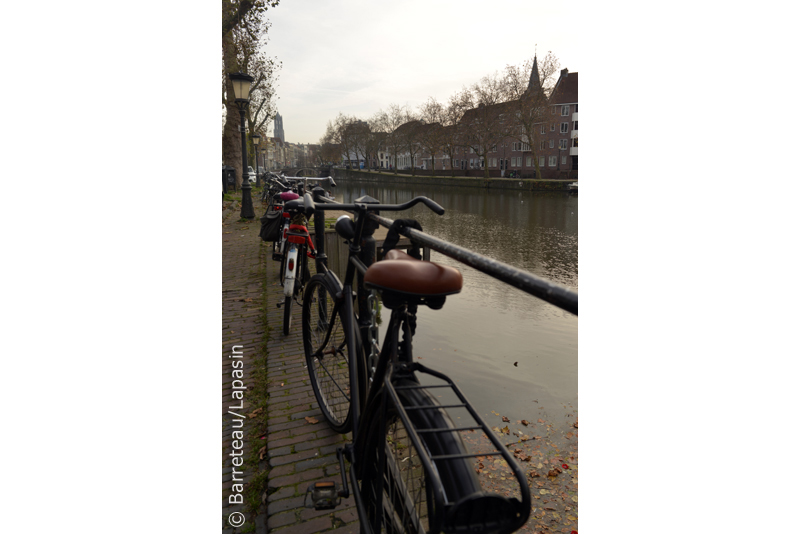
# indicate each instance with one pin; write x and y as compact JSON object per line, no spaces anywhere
{"x":541,"y":161}
{"x":543,"y":128}
{"x":471,"y":163}
{"x":542,"y":145}
{"x":528,"y":161}
{"x":564,"y":111}
{"x":553,"y":110}
{"x":552,"y":161}
{"x":493,"y":162}
{"x":562,"y":144}
{"x":552,"y":127}
{"x":576,"y":108}
{"x":575,"y":142}
{"x":563,"y":160}
{"x":471,"y":151}
{"x":494,"y":148}
{"x":564,"y":127}
{"x":552,"y":143}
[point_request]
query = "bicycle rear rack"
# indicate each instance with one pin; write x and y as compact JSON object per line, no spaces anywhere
{"x":482,"y":511}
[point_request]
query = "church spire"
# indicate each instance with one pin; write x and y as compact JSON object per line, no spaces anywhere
{"x":534,"y":82}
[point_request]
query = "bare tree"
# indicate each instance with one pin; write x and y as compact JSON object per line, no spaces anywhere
{"x":407,"y":135}
{"x":529,"y":87}
{"x":487,"y":119}
{"x":244,"y":29}
{"x":431,"y":135}
{"x":388,"y":123}
{"x":451,"y":119}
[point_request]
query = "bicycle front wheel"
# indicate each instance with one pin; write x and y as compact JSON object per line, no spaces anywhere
{"x":328,"y":362}
{"x":396,"y":490}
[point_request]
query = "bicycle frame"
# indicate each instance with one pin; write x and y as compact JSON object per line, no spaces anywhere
{"x":373,"y":395}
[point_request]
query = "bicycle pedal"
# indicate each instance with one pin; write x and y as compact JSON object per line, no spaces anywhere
{"x":322,"y":496}
{"x":279,"y":304}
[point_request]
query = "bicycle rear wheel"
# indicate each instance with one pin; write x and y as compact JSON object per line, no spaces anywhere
{"x":395,"y":488}
{"x":330,"y":370}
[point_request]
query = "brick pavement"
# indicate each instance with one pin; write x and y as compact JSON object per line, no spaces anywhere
{"x":297,"y":452}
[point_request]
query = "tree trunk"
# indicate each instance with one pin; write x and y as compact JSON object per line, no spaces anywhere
{"x":231,"y":137}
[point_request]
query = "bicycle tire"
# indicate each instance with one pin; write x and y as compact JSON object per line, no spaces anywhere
{"x":400,"y":501}
{"x":287,"y":315}
{"x":330,"y":378}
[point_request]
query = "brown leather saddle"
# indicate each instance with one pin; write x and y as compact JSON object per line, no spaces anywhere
{"x":402,"y":279}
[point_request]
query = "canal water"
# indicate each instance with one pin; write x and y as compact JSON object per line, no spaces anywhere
{"x":511,"y":353}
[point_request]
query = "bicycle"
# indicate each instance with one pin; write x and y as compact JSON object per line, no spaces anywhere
{"x":296,"y":246}
{"x":410,"y":470}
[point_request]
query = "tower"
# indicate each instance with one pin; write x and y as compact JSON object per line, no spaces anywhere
{"x":278,"y":127}
{"x":534,"y":83}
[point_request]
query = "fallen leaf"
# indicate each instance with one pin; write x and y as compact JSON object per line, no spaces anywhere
{"x":312,"y":420}
{"x":543,"y":492}
{"x":541,"y":421}
{"x":515,"y":364}
{"x":505,"y":419}
{"x":524,"y":422}
{"x":575,"y":424}
{"x":554,"y":472}
{"x":534,"y":474}
{"x":255,"y":412}
{"x":505,"y":430}
{"x":261,"y":452}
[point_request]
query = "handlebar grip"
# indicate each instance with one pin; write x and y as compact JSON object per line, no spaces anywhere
{"x":436,"y":208}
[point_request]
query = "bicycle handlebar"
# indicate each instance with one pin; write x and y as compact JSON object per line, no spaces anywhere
{"x":433,"y":206}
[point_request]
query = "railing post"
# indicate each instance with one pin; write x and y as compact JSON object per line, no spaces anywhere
{"x":319,"y":231}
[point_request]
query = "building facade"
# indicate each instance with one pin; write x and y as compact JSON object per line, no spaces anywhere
{"x":557,"y":140}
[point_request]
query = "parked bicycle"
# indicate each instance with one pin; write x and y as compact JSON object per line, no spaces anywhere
{"x":410,"y":470}
{"x":297,"y":247}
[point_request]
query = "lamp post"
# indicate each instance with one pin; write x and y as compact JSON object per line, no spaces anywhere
{"x":256,"y":138}
{"x":241,"y":91}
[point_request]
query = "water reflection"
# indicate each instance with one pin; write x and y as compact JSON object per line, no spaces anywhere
{"x":481,"y":332}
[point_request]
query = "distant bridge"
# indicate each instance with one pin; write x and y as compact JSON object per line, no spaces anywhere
{"x":308,"y":172}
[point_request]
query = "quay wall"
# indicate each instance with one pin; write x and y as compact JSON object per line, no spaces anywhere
{"x":461,"y":181}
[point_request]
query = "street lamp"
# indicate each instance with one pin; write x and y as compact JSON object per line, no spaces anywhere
{"x":256,"y":138}
{"x":241,"y":91}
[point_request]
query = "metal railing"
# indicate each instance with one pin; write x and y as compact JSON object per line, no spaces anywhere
{"x":539,"y":287}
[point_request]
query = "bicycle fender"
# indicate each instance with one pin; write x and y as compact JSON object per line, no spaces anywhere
{"x":288,"y":283}
{"x":332,"y":283}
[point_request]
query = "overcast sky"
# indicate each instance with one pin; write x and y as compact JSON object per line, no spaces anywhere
{"x":359,"y":56}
